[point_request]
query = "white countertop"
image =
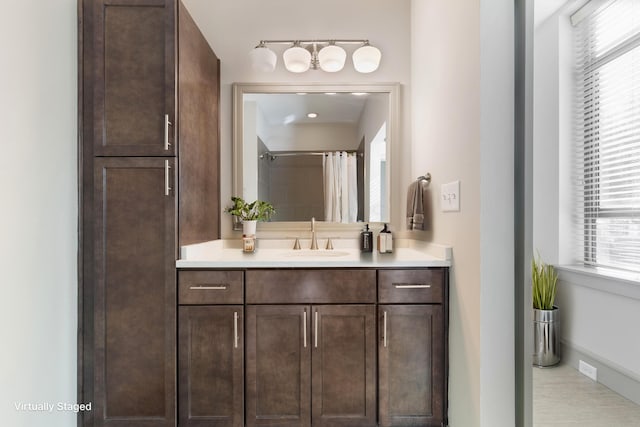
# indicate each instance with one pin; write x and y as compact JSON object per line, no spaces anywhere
{"x":278,"y":253}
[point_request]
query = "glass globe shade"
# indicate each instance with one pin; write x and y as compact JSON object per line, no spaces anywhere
{"x":263,"y":59}
{"x":366,"y":59}
{"x":297,"y":59}
{"x":332,"y":58}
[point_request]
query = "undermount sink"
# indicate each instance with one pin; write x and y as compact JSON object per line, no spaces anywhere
{"x":308,"y":253}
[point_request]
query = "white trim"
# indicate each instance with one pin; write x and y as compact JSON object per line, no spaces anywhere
{"x":612,"y":375}
{"x":616,"y":282}
{"x":587,"y":10}
{"x":393,"y":130}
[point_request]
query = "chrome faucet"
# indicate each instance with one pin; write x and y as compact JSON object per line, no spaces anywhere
{"x":314,"y":240}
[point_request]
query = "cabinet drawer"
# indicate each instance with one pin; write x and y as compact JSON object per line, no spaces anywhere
{"x":411,"y":286}
{"x":210,"y":287}
{"x":310,"y":286}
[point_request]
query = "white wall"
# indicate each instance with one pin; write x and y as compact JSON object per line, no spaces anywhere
{"x":462,"y":103}
{"x":446,"y":142}
{"x":497,"y":321}
{"x":38,"y":219}
{"x":233,"y":28}
{"x":313,"y":137}
{"x":552,"y":134}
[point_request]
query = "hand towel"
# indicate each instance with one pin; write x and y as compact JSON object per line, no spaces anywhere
{"x":415,"y":208}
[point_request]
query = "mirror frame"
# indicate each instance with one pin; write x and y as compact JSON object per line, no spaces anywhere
{"x":393,"y":128}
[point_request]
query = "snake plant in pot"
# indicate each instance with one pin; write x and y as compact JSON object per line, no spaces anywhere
{"x":546,"y":320}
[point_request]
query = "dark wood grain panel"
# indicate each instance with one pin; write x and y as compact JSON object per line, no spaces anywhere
{"x":310,"y":286}
{"x":278,"y":376}
{"x":135,"y":293}
{"x":411,"y":365}
{"x":231,"y":281}
{"x":393,"y":285}
{"x":344,"y":366}
{"x":198,"y":133}
{"x":85,"y":211}
{"x":134,"y":76}
{"x":211,"y":366}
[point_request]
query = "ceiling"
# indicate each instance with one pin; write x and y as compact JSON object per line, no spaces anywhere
{"x":284,"y":108}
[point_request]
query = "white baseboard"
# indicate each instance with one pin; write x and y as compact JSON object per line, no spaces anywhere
{"x":611,"y":375}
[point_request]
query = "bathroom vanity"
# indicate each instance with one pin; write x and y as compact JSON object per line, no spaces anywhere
{"x":272,"y":339}
{"x":222,"y":338}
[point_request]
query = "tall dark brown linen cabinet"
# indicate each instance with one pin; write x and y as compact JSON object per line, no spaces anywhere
{"x":149,"y":183}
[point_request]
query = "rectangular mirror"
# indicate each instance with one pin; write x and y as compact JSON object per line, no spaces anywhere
{"x":316,"y":150}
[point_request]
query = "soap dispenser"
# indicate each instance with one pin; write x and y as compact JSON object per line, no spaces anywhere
{"x":382,"y":240}
{"x":366,"y":240}
{"x":389,"y":240}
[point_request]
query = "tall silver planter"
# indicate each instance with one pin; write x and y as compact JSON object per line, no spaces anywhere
{"x":546,"y":337}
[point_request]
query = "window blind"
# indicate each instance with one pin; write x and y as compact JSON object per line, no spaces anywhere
{"x":607,"y":135}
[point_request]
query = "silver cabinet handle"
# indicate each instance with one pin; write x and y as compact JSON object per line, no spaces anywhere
{"x":316,"y":331}
{"x":304,"y":328}
{"x":411,"y":286}
{"x":167,"y":123}
{"x":235,"y":329}
{"x":208,"y":288}
{"x":384,"y":328}
{"x":167,"y":187}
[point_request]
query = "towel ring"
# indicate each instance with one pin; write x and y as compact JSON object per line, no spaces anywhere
{"x":425,"y":177}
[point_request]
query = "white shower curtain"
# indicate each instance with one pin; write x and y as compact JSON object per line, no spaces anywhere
{"x":340,"y":187}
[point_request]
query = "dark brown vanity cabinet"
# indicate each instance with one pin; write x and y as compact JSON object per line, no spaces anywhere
{"x":149,"y":173}
{"x":278,"y":344}
{"x":343,"y":365}
{"x":311,"y":364}
{"x":134,"y":292}
{"x":412,"y":343}
{"x":323,"y":347}
{"x":133,"y":54}
{"x":210,"y":349}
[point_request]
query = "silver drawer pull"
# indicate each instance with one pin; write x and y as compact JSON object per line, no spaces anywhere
{"x":384,"y":333}
{"x":304,"y":328}
{"x":167,"y":123}
{"x":316,"y":331}
{"x":167,"y":178}
{"x":411,"y":286}
{"x":235,"y":329}
{"x":208,"y":288}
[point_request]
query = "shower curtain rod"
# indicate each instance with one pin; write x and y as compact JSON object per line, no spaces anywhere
{"x":301,"y":153}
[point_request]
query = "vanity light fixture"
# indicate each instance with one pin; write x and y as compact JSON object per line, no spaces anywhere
{"x":297,"y":59}
{"x":326,"y":55}
{"x":263,"y":59}
{"x":366,"y":58}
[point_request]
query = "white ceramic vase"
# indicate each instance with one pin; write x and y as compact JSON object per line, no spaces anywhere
{"x":249,"y":228}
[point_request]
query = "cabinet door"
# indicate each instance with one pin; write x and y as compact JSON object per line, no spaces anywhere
{"x":344,"y":362}
{"x":210,"y":353}
{"x":133,"y":82}
{"x":135,"y":293}
{"x":278,"y":344}
{"x":411,"y":365}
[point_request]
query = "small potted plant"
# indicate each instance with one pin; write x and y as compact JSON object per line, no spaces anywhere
{"x":250,"y":213}
{"x":546,"y":319}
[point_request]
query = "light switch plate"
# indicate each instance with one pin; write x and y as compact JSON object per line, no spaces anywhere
{"x":450,"y":197}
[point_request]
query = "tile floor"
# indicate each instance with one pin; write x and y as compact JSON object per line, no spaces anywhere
{"x":564,"y":397}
